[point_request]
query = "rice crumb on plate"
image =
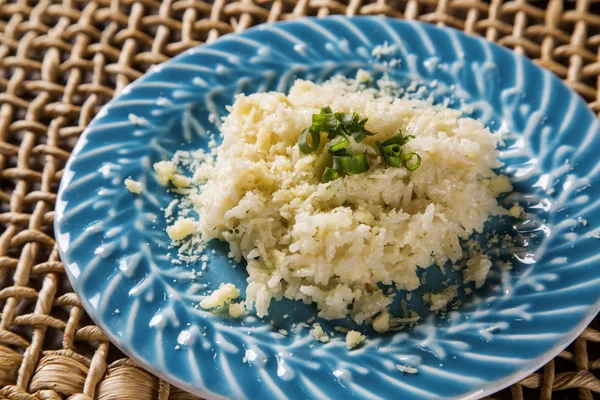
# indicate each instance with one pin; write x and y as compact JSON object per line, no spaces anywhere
{"x":439,"y":301}
{"x":133,"y":186}
{"x":221,"y":296}
{"x":164,"y":171}
{"x":381,"y":323}
{"x":318,"y":333}
{"x":353,"y":339}
{"x":515,"y":211}
{"x":180,"y":181}
{"x":181,"y":229}
{"x":236,"y":310}
{"x":406,"y":369}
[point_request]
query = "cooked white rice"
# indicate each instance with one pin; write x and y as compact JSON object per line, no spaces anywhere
{"x":332,"y":243}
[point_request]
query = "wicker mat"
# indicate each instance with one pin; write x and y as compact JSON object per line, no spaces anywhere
{"x":60,"y":61}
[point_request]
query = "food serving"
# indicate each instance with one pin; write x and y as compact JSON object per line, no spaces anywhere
{"x":334,"y":189}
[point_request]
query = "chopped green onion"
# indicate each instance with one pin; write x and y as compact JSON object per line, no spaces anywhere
{"x":392,"y":154}
{"x":336,"y":147}
{"x":330,"y":174}
{"x":409,"y":157}
{"x":356,"y":128}
{"x":352,"y":126}
{"x":325,"y":121}
{"x":344,"y":125}
{"x":336,"y":124}
{"x":398,"y":139}
{"x":351,"y":164}
{"x":392,"y":150}
{"x":358,"y":136}
{"x":303,"y":143}
{"x":380,"y":147}
{"x":346,"y":119}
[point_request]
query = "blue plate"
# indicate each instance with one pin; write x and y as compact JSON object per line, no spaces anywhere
{"x":114,"y":246}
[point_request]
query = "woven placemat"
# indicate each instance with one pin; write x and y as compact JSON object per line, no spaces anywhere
{"x":60,"y":61}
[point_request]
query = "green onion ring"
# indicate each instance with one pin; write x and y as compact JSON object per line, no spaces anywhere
{"x":408,"y":157}
{"x":303,"y":143}
{"x":392,"y":154}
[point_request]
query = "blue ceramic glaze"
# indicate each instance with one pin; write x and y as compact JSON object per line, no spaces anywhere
{"x":114,"y":246}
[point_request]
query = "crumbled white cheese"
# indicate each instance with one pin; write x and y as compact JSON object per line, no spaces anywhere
{"x":363,"y":76}
{"x":406,"y":369}
{"x":353,"y":339}
{"x":383,"y":50}
{"x":181,"y":229}
{"x":164,"y":171}
{"x":134,"y":119}
{"x":582,"y":221}
{"x":437,"y":301}
{"x":515,"y":211}
{"x":381,"y":324}
{"x":236,"y":310}
{"x":181,"y":181}
{"x":133,"y":186}
{"x":221,"y":296}
{"x":500,"y":184}
{"x":477,"y":270}
{"x":318,"y":333}
{"x":283,"y":332}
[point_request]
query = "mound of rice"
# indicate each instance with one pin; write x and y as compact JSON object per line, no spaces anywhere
{"x":333,"y":243}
